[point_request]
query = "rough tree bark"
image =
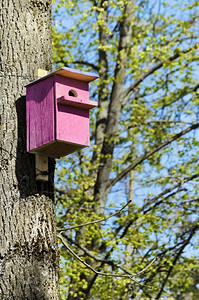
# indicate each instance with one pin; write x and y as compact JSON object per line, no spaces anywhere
{"x":28,"y":244}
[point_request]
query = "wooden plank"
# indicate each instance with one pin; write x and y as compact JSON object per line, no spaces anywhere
{"x":41,"y":163}
{"x":41,"y":116}
{"x":71,"y":101}
{"x":73,"y":125}
{"x":67,"y":72}
{"x":40,"y":73}
{"x":58,"y":149}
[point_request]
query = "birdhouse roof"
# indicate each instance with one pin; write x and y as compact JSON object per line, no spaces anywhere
{"x":70,"y":73}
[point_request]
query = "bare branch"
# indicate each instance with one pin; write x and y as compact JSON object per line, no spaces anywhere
{"x":130,"y":89}
{"x":150,"y":153}
{"x":153,"y":200}
{"x":129,"y":275}
{"x":97,"y":258}
{"x":61,"y":191}
{"x":86,"y":63}
{"x":147,"y":267}
{"x":96,"y":221}
{"x":186,"y":242}
{"x":179,"y":184}
{"x":162,"y":121}
{"x":91,"y":268}
{"x":80,"y":62}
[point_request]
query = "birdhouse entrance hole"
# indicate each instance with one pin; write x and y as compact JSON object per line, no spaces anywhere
{"x":57,"y":110}
{"x":72,"y":93}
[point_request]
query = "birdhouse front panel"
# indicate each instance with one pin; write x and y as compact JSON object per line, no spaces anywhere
{"x":72,"y":119}
{"x":58,"y":112}
{"x":71,"y":88}
{"x":73,"y":125}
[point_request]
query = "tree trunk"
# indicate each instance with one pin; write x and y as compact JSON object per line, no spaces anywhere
{"x":106,"y":127}
{"x":28,"y":245}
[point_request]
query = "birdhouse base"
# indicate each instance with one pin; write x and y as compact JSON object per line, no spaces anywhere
{"x":57,"y":149}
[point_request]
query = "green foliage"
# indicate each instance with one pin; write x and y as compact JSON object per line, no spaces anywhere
{"x":153,"y":81}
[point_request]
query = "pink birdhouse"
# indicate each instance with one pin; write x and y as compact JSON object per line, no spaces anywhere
{"x":57,"y":112}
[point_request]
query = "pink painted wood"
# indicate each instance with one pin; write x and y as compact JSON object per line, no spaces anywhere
{"x":72,"y":125}
{"x":58,"y":113}
{"x":40,"y":114}
{"x":64,"y":84}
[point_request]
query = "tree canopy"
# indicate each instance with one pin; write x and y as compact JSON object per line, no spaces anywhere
{"x":136,"y":186}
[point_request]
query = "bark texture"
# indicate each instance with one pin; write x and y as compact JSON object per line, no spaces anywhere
{"x":28,"y":244}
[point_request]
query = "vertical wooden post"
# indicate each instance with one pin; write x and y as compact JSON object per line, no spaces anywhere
{"x":40,"y":73}
{"x":41,"y":164}
{"x":41,"y":161}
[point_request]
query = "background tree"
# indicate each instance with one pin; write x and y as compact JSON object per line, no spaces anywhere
{"x":28,"y":244}
{"x":145,"y":130}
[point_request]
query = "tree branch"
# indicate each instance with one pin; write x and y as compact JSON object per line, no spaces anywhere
{"x":150,"y":153}
{"x":103,"y":62}
{"x":96,"y":221}
{"x":80,"y":62}
{"x":97,"y":258}
{"x":179,"y":184}
{"x":86,"y":63}
{"x":115,"y":104}
{"x":153,"y":200}
{"x":91,"y":268}
{"x":130,"y":89}
{"x":128,"y":275}
{"x":186,"y":242}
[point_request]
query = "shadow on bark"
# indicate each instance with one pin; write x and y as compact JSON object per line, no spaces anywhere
{"x":25,"y":162}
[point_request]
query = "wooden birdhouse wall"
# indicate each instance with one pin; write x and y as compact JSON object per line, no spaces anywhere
{"x":40,"y":114}
{"x":58,"y":113}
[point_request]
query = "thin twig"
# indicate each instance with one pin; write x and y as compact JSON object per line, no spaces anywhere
{"x":130,"y":276}
{"x":96,"y":221}
{"x":147,"y":267}
{"x":148,"y":154}
{"x":130,"y":89}
{"x":95,"y":257}
{"x":91,"y":268}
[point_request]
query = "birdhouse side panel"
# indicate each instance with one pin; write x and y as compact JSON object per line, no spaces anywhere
{"x":41,"y":114}
{"x":71,"y":88}
{"x":73,"y":125}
